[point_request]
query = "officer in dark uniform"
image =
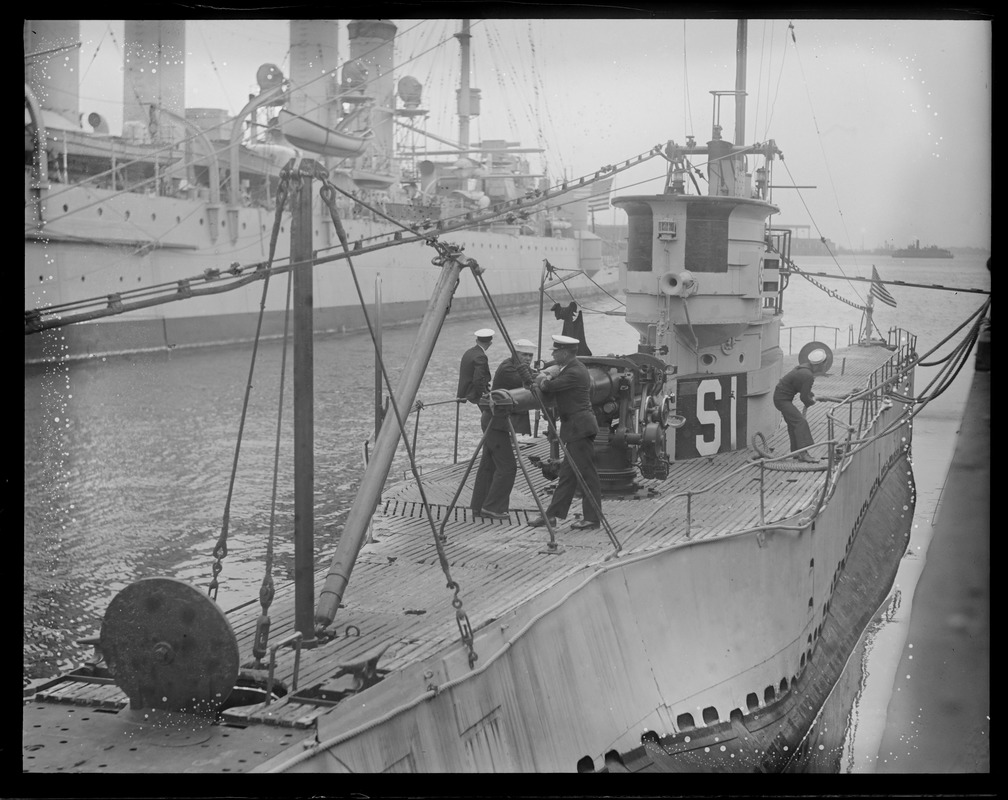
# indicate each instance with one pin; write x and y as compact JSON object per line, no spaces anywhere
{"x":474,"y":371}
{"x":496,"y":474}
{"x":568,"y":385}
{"x":799,"y":382}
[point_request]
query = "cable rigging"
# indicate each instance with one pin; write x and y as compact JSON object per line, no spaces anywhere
{"x":237,"y":275}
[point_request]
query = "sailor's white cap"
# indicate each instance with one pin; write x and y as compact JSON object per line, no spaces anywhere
{"x":484,"y":333}
{"x":524,"y":346}
{"x":816,"y":356}
{"x":564,"y":341}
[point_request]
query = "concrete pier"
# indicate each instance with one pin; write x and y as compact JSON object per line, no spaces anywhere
{"x":938,"y":719}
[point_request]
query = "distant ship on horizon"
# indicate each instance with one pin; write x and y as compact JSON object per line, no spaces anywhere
{"x":916,"y":251}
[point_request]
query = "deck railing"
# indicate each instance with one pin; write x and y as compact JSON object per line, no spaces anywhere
{"x":848,"y":422}
{"x":815,"y":335}
{"x":869,"y":402}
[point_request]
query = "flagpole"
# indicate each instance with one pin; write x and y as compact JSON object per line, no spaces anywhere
{"x":869,"y":307}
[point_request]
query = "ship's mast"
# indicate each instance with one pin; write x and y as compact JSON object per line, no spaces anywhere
{"x":463,"y":100}
{"x":304,"y":408}
{"x":740,"y":80}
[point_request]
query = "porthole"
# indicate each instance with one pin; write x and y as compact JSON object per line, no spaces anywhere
{"x":99,"y":211}
{"x":752,"y":701}
{"x":710,"y":715}
{"x":684,"y":722}
{"x":768,"y":694}
{"x":66,"y":207}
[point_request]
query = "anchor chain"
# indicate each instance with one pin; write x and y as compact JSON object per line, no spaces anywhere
{"x":220,"y":549}
{"x":831,"y":292}
{"x":462,"y":620}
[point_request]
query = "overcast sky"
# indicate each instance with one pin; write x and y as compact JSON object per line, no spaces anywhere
{"x":889,"y":120}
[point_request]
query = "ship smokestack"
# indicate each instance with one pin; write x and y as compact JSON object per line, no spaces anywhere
{"x":154,"y":74}
{"x":53,"y":76}
{"x":371,"y":46}
{"x":314,"y":60}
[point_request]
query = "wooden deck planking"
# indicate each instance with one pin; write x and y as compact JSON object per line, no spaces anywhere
{"x":398,"y":595}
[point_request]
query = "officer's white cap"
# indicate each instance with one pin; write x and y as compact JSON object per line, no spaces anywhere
{"x":484,"y":333}
{"x":524,"y":346}
{"x":564,"y":341}
{"x":816,"y":356}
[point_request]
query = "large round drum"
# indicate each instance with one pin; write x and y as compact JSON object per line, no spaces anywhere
{"x":169,"y":646}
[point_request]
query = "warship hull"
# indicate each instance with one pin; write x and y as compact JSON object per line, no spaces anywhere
{"x":170,"y":249}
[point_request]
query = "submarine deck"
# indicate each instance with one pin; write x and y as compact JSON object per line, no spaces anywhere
{"x":397,"y":596}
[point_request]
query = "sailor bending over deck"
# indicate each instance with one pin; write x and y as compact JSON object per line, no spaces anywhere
{"x":799,"y":382}
{"x":474,"y":372}
{"x":496,"y":474}
{"x":568,"y":384}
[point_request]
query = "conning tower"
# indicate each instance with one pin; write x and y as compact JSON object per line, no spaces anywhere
{"x":701,"y":289}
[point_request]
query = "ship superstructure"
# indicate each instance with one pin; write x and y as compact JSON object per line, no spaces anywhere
{"x":183,"y":198}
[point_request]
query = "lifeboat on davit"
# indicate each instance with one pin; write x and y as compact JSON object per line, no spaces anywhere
{"x":311,"y":137}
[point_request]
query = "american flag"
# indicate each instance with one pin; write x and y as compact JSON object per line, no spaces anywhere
{"x":878,"y":290}
{"x":598,"y":200}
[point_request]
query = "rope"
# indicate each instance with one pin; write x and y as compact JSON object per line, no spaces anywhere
{"x":220,"y":549}
{"x":563,"y":282}
{"x":328,"y":194}
{"x":266,"y":590}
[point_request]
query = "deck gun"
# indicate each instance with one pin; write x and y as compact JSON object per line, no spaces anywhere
{"x":633,"y":411}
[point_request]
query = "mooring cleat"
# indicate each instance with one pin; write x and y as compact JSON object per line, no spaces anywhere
{"x":365,"y":671}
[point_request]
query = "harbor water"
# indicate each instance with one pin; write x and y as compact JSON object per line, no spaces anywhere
{"x":128,"y":460}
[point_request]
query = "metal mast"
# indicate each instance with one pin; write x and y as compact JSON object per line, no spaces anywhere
{"x":740,"y":80}
{"x":463,"y":100}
